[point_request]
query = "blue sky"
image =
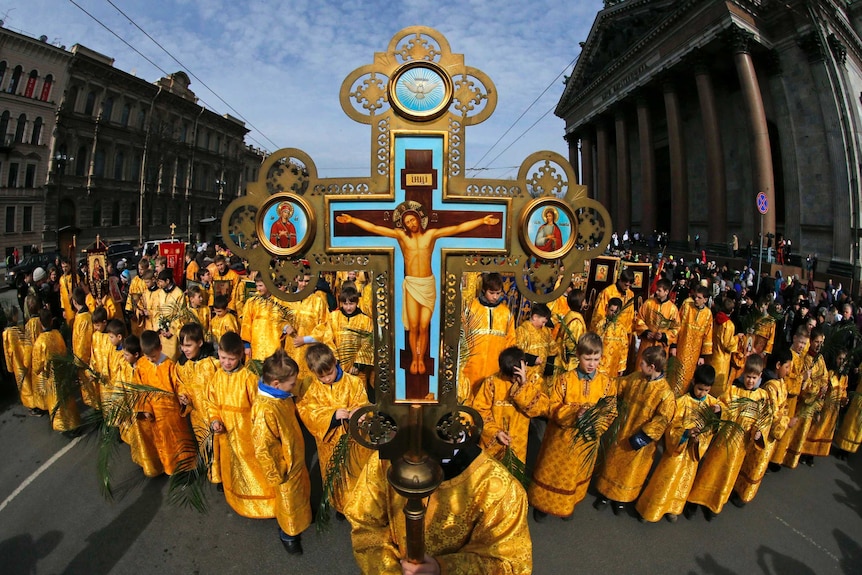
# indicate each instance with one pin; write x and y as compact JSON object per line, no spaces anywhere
{"x":281,"y":65}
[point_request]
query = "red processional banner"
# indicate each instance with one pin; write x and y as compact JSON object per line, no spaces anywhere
{"x":175,"y":252}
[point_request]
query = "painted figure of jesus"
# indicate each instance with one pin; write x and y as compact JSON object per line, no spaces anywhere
{"x":417,"y":246}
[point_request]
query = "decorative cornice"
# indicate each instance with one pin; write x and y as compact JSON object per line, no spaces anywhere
{"x":812,"y":44}
{"x":738,"y":39}
{"x":838,"y":48}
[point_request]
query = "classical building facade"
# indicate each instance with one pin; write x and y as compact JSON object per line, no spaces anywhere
{"x":679,"y":113}
{"x":89,"y":150}
{"x":32,"y":82}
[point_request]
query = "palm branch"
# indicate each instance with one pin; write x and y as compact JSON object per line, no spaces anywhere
{"x":64,"y":369}
{"x":283,"y":312}
{"x":516,"y":467}
{"x":709,"y":423}
{"x":597,"y":428}
{"x":176,"y":312}
{"x":255,"y":366}
{"x":842,"y":337}
{"x":349,"y":347}
{"x":186,"y":485}
{"x":334,"y":479}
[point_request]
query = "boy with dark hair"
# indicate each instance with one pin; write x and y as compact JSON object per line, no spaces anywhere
{"x":694,"y":340}
{"x":229,"y":399}
{"x":280,"y":448}
{"x":572,"y":329}
{"x":82,"y":346}
{"x":326,"y":409}
{"x":172,"y":437}
{"x":685,"y":444}
{"x":194,"y":370}
{"x":567,"y":457}
{"x":721,"y":464}
{"x":616,"y":348}
{"x":647,"y":405}
{"x":223,"y":322}
{"x":724,"y":343}
{"x":489,"y":328}
{"x":506,"y":401}
{"x":615,"y":339}
{"x":657,"y":320}
{"x":535,"y":338}
{"x":264,"y":320}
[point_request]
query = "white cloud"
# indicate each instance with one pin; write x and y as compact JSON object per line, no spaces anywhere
{"x":281,"y":65}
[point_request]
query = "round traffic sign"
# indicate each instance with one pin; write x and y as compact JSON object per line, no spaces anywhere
{"x":762,"y":203}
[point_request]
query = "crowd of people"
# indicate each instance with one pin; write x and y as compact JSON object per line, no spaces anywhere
{"x":683,"y":400}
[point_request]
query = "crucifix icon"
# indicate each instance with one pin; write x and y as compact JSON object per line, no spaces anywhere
{"x":421,"y":232}
{"x":173,"y":229}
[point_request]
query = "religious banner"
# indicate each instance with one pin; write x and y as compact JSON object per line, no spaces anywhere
{"x":603,"y":272}
{"x":175,"y":252}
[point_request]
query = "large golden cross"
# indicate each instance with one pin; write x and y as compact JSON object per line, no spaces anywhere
{"x":418,"y":98}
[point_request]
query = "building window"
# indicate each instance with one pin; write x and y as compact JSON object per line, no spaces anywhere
{"x":99,"y":164}
{"x":2,"y":72}
{"x":115,"y":213}
{"x":16,"y":79}
{"x":119,"y":164}
{"x":37,"y":132}
{"x":4,"y":125}
{"x":97,"y":213}
{"x":28,"y":219}
{"x":72,"y":98}
{"x":19,"y":129}
{"x":31,"y":84}
{"x":108,"y":109}
{"x":30,"y":176}
{"x":91,"y":103}
{"x":12,"y":181}
{"x":124,"y":118}
{"x":133,"y":213}
{"x":81,"y":162}
{"x":142,"y":119}
{"x":136,"y":168}
{"x":46,"y":88}
{"x":10,"y":219}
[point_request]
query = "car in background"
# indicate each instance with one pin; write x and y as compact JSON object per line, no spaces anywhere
{"x":151,"y":248}
{"x":122,"y":251}
{"x":30,"y":263}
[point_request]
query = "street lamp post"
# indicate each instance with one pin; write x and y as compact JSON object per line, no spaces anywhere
{"x":60,"y":161}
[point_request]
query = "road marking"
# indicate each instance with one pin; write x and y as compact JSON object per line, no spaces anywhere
{"x":39,"y":472}
{"x":801,"y":534}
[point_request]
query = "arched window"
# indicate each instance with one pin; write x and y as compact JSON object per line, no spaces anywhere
{"x":97,"y":213}
{"x":4,"y":125}
{"x":31,"y":84}
{"x":47,"y":84}
{"x":19,"y":130}
{"x":2,"y":72}
{"x":115,"y":213}
{"x":16,"y":79}
{"x":37,"y":132}
{"x":108,"y":109}
{"x":81,"y":162}
{"x":119,"y":165}
{"x":91,"y":103}
{"x":124,"y":117}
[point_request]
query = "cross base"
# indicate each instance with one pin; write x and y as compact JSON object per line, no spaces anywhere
{"x":417,"y":384}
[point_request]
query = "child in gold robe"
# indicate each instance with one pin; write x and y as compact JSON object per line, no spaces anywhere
{"x":137,"y":433}
{"x":489,"y":328}
{"x":280,"y":448}
{"x":572,"y":327}
{"x":567,"y":457}
{"x":308,"y":313}
{"x":230,"y":395}
{"x":648,"y":405}
{"x":685,"y":444}
{"x":326,"y":409}
{"x":849,"y":435}
{"x":82,"y":345}
{"x":759,"y":452}
{"x":694,"y":341}
{"x":263,"y":323}
{"x":170,"y":428}
{"x":18,"y":351}
{"x":197,"y":297}
{"x":720,"y":466}
{"x":350,"y":332}
{"x":819,"y":439}
{"x":194,"y":370}
{"x":657,"y":320}
{"x":535,"y":338}
{"x":506,"y":401}
{"x":724,"y":343}
{"x":50,"y":345}
{"x":222,"y":321}
{"x":615,"y":333}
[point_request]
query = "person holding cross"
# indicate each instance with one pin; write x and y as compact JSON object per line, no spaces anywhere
{"x":417,"y":245}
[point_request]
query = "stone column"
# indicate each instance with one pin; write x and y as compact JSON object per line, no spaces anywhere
{"x":647,"y":160}
{"x":572,"y":143}
{"x":624,"y":175}
{"x":678,"y":172}
{"x":587,"y":173}
{"x":603,"y":166}
{"x":764,"y":179}
{"x":716,"y":182}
